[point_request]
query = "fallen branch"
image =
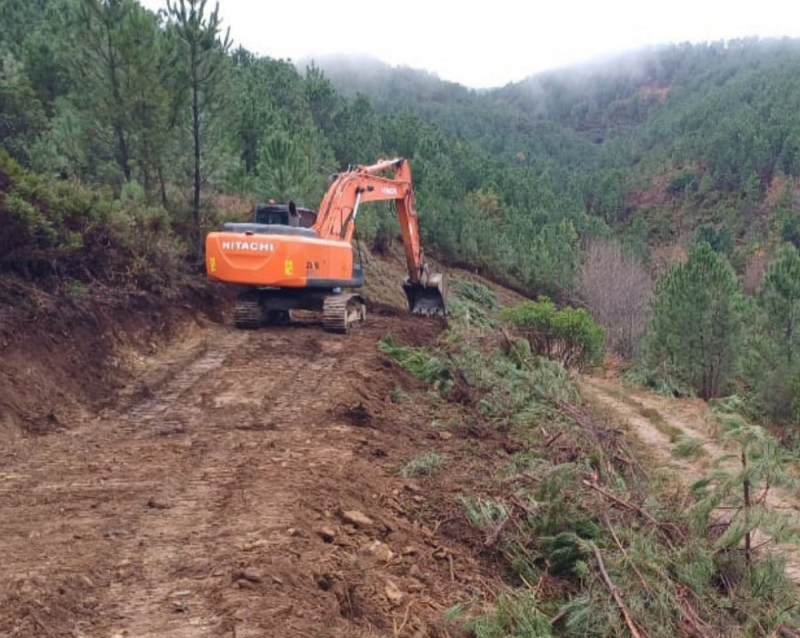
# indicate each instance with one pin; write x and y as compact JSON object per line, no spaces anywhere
{"x":695,"y":624}
{"x":521,"y":477}
{"x":668,"y":529}
{"x":625,"y":553}
{"x":553,"y":439}
{"x":398,"y":630}
{"x":559,"y":616}
{"x":786,"y":632}
{"x":516,"y":501}
{"x":491,"y":539}
{"x":612,"y":588}
{"x":580,"y":418}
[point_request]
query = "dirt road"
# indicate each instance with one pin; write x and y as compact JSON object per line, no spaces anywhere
{"x":658,"y":422}
{"x":242,"y":486}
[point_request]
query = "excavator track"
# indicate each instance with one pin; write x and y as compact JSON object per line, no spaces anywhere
{"x":253,"y":311}
{"x":342,"y":312}
{"x":247,"y":315}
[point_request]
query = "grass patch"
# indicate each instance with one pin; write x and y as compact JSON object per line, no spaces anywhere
{"x":689,"y":448}
{"x":576,"y":523}
{"x":469,"y":314}
{"x":398,"y":395}
{"x":514,"y":614}
{"x":423,"y":465}
{"x":673,"y":433}
{"x":430,"y":367}
{"x":484,"y":513}
{"x":478,"y":293}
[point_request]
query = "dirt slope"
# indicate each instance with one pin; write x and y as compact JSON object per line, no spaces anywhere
{"x":212,"y":499}
{"x":64,"y":356}
{"x":657,"y":421}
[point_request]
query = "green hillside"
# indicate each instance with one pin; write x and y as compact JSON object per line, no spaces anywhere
{"x":698,"y":133}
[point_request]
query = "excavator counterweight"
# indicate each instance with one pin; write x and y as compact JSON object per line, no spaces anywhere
{"x":291,"y":258}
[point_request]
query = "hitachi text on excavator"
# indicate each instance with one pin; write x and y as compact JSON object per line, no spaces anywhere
{"x":291,"y":258}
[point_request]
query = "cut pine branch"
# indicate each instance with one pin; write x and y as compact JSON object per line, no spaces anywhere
{"x":491,"y":539}
{"x":614,"y":591}
{"x":669,"y":530}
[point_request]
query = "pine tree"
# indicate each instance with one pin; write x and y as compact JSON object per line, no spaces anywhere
{"x":147,"y":97}
{"x":253,"y":114}
{"x":117,"y":60}
{"x":284,"y":172}
{"x":100,"y":67}
{"x":740,"y":484}
{"x":202,"y":59}
{"x":780,"y":299}
{"x":695,"y":333}
{"x":22,"y":116}
{"x":773,"y":364}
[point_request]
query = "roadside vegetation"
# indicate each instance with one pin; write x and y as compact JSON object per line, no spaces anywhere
{"x":65,"y":236}
{"x":591,"y":538}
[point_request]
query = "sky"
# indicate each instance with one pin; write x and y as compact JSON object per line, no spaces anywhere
{"x":489,"y":43}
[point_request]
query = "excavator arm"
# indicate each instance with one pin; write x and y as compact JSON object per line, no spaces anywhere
{"x":361,"y":185}
{"x":340,"y":208}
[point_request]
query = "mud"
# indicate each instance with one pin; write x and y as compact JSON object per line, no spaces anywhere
{"x":240,"y":484}
{"x":65,"y":356}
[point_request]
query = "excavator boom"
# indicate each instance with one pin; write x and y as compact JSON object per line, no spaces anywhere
{"x":426,"y":292}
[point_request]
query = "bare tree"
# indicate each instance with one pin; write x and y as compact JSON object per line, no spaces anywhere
{"x":616,"y":289}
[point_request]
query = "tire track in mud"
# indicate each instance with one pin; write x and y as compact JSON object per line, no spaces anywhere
{"x":257,"y":383}
{"x":173,"y":531}
{"x":689,"y":418}
{"x":139,"y":521}
{"x":189,"y":509}
{"x":99,"y":471}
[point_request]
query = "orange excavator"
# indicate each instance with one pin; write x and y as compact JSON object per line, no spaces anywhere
{"x":291,"y":258}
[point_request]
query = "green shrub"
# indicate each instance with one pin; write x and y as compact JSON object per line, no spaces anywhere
{"x":681,"y":182}
{"x":569,"y":335}
{"x":57,"y":228}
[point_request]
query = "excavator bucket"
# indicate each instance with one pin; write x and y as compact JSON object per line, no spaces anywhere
{"x":427,"y":298}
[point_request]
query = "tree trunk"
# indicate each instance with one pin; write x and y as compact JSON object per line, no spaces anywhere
{"x":162,"y":184}
{"x":747,"y":536}
{"x":123,"y":154}
{"x":196,"y":134}
{"x":123,"y":157}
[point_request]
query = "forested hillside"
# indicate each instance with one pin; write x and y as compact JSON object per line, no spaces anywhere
{"x":704,"y":132}
{"x":128,"y":133}
{"x":167,"y":110}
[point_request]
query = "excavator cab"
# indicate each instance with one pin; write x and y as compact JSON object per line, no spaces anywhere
{"x":271,"y":214}
{"x":283,"y":215}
